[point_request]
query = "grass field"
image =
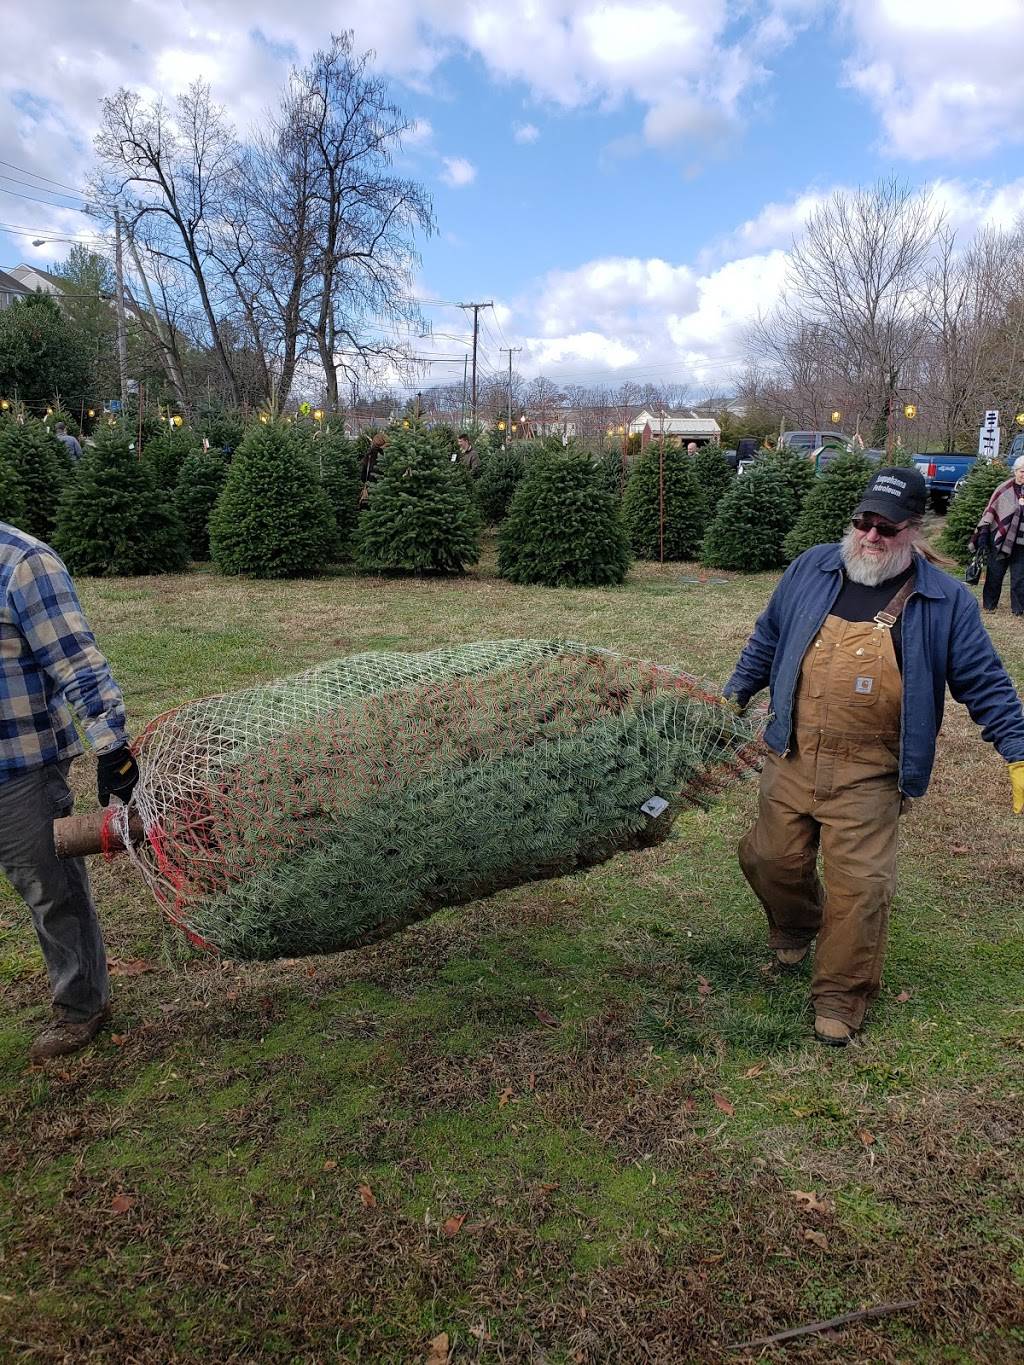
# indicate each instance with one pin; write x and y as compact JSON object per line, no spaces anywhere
{"x":582,"y":1121}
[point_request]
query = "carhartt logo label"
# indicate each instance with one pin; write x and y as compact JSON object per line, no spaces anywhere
{"x":864,"y":685}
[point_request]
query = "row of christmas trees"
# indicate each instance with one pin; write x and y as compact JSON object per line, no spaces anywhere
{"x":294,"y":499}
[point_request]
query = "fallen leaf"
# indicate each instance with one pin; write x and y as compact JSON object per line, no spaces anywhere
{"x":754,"y":1071}
{"x":545,"y":1016}
{"x":724,"y":1105}
{"x":818,"y":1238}
{"x":131,"y":966}
{"x":231,"y":995}
{"x":532,"y":1082}
{"x":368,"y":1197}
{"x":959,"y":850}
{"x":903,"y":997}
{"x":550,"y":1189}
{"x":454,"y":1224}
{"x":438,"y":1350}
{"x":703,"y":986}
{"x":119,"y":1039}
{"x":311,"y":971}
{"x":809,"y":1201}
{"x":690,"y":1105}
{"x":866,"y":1137}
{"x":505,"y":1096}
{"x":330,"y":1165}
{"x":122,"y":1202}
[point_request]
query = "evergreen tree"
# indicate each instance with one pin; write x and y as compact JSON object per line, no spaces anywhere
{"x":901,"y":456}
{"x":113,"y":519}
{"x":714,"y":477}
{"x":222,"y":427}
{"x":42,"y":351}
{"x":563,"y":529}
{"x":965,"y":510}
{"x":612,"y":476}
{"x":422,"y":517}
{"x":751,"y":522}
{"x":500,"y":474}
{"x":272,"y":519}
{"x":684,"y":507}
{"x":200,"y":481}
{"x":826,"y":512}
{"x":336,"y":462}
{"x":12,"y":494}
{"x":43,"y":469}
{"x":165,"y":454}
{"x":798,"y":475}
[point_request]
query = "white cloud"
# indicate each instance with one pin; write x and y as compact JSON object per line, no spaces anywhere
{"x":457,"y":171}
{"x":525,"y":132}
{"x":419,"y":134}
{"x":945,"y":77}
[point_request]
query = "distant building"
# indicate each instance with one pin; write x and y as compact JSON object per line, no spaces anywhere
{"x":678,"y":429}
{"x":37,"y":280}
{"x":11,"y":288}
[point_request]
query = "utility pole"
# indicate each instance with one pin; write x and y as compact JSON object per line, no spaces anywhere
{"x":476,"y":328}
{"x":465,"y":377}
{"x":122,"y":340}
{"x":511,"y":350}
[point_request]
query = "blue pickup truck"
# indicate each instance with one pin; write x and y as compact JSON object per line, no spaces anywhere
{"x":942,"y":473}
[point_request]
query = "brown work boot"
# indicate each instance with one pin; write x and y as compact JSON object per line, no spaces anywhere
{"x":63,"y":1036}
{"x":791,"y":957}
{"x":832,"y":1032}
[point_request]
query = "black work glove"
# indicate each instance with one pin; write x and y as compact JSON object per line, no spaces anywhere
{"x":116,"y":775}
{"x":983,"y":537}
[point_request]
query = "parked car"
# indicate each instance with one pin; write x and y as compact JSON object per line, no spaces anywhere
{"x":942,"y":473}
{"x":814,"y":440}
{"x":1016,"y":448}
{"x":824,"y":457}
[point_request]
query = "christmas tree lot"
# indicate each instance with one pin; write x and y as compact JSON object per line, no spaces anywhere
{"x":500,"y":474}
{"x":272,"y":519}
{"x":563,"y":529}
{"x":826,"y":512}
{"x":113,"y":520}
{"x":334,"y":458}
{"x":664,"y":507}
{"x":714,"y":477}
{"x":42,"y":469}
{"x":165,"y":454}
{"x":421,"y":516}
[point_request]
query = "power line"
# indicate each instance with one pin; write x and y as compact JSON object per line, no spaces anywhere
{"x":36,"y":176}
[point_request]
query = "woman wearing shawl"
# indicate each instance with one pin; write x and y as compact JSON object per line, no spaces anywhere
{"x":1000,"y":534}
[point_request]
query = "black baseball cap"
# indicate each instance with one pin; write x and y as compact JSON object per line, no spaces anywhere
{"x":896,"y":493}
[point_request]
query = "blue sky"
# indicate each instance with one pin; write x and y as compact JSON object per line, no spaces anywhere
{"x":623,"y":179}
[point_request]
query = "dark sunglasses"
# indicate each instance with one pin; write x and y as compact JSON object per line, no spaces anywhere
{"x":884,"y":528}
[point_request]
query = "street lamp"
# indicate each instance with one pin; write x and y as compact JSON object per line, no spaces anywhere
{"x":1020,"y":418}
{"x":837,"y":417}
{"x":910,"y":411}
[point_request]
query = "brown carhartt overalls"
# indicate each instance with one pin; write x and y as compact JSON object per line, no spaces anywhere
{"x":838,"y":787}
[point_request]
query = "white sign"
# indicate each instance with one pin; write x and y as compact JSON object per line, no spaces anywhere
{"x":988,"y":436}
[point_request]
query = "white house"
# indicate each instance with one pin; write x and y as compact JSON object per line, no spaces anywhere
{"x":11,"y":289}
{"x":34,"y":279}
{"x":675,"y":427}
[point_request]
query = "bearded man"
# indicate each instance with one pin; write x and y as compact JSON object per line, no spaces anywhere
{"x":858,"y":644}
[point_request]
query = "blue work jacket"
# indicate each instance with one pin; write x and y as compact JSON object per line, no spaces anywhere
{"x":945,"y":644}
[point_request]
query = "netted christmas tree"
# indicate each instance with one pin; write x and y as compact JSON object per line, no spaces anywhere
{"x":272,"y":519}
{"x":500,"y":476}
{"x":166,"y":452}
{"x":331,"y":809}
{"x":114,"y":520}
{"x":826,"y":512}
{"x":335,"y":459}
{"x":421,"y":517}
{"x":664,"y":482}
{"x":714,"y":477}
{"x":751,"y":522}
{"x":563,"y":530}
{"x":43,"y":469}
{"x":200,"y":481}
{"x":965,"y":511}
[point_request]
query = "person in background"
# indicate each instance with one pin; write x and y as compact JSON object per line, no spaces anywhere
{"x":467,"y":454}
{"x":51,"y":674}
{"x":1000,"y":536}
{"x":74,"y":449}
{"x":691,"y":449}
{"x":858,"y":644}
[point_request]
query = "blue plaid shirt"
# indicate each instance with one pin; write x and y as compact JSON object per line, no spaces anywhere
{"x":50,"y":667}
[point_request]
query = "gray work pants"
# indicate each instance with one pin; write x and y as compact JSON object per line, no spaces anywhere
{"x":56,"y":892}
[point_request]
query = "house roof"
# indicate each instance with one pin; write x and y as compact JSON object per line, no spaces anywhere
{"x":10,"y":285}
{"x":675,"y":426}
{"x":21,"y":271}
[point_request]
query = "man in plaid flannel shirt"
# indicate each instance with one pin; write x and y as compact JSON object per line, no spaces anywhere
{"x":51,"y":673}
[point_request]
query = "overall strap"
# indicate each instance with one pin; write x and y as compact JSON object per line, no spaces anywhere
{"x":890,"y":614}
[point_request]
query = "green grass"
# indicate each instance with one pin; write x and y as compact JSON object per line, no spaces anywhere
{"x":612,"y":1208}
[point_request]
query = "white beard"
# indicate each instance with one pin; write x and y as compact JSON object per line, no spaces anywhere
{"x":872,"y":569}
